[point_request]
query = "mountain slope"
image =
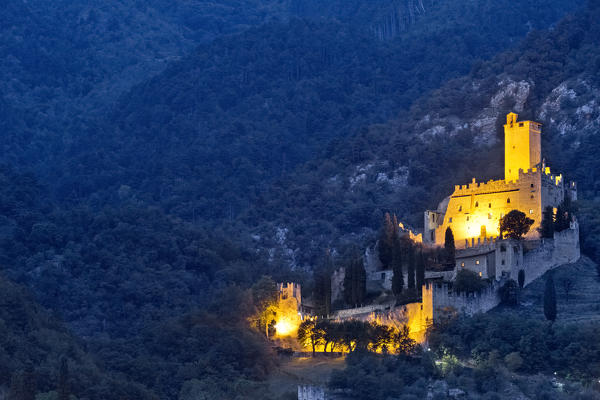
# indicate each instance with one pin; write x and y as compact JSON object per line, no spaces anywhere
{"x":448,"y":137}
{"x":32,"y":339}
{"x":220,"y":125}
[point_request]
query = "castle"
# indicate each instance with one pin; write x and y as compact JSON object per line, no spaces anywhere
{"x":473,"y":213}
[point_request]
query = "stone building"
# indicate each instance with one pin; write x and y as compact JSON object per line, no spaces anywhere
{"x":473,"y":211}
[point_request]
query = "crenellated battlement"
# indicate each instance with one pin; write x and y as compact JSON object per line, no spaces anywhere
{"x":501,"y":185}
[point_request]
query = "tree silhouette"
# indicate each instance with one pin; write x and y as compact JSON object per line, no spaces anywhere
{"x":449,"y":247}
{"x":515,"y":224}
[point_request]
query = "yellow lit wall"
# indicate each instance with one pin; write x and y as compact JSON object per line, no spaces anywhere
{"x":474,"y":210}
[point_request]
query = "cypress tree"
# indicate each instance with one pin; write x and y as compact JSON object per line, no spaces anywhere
{"x":550,"y":299}
{"x":63,"y":389}
{"x":420,"y":272}
{"x":561,"y":222}
{"x":387,"y":240}
{"x":397,"y":278}
{"x":521,"y":278}
{"x":411,"y":269}
{"x":547,"y":226}
{"x":449,"y":247}
{"x":355,"y":282}
{"x":362,"y":281}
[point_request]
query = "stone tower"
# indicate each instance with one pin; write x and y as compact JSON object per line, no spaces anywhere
{"x":522,"y":146}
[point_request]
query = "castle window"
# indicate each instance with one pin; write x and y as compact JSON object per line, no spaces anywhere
{"x":508,"y":200}
{"x":421,"y":306}
{"x":490,"y":216}
{"x":530,"y":211}
{"x":503,"y":262}
{"x":502,"y":248}
{"x":480,"y":274}
{"x":490,"y":205}
{"x":532,"y":185}
{"x":450,"y":220}
{"x":476,"y":204}
{"x":432,"y":236}
{"x":459,"y":208}
{"x":520,"y":124}
{"x":383,"y":276}
{"x":467,"y":217}
{"x":477,"y":262}
{"x":531,"y":197}
{"x":462,"y":264}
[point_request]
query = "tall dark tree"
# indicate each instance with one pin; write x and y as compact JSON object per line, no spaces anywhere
{"x":64,"y":387}
{"x":410,"y":271}
{"x":355,"y":282}
{"x":420,"y":271}
{"x":562,"y":220}
{"x":23,"y":385}
{"x":322,"y":292}
{"x":449,"y":247}
{"x":550,"y":299}
{"x":387,"y":240}
{"x":521,"y":278}
{"x":515,"y":224}
{"x":398,"y":277}
{"x":547,"y":226}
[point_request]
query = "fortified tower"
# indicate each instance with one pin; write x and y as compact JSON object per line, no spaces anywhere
{"x":522,"y":146}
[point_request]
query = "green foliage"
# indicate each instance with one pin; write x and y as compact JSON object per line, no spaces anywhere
{"x":322,"y":291}
{"x":410,"y":271}
{"x":513,"y":361}
{"x":550,"y":299}
{"x":449,"y":246}
{"x":547,"y":225}
{"x":468,"y":281}
{"x":355,"y":282}
{"x":373,"y":377}
{"x":568,"y":350}
{"x":509,"y":293}
{"x":388,"y":241}
{"x":515,"y":225}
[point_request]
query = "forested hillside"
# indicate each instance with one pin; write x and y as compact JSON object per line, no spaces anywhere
{"x":411,"y":163}
{"x":221,"y":124}
{"x":34,"y":344}
{"x":141,"y":208}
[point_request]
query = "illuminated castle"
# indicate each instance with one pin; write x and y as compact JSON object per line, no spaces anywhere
{"x":473,"y":211}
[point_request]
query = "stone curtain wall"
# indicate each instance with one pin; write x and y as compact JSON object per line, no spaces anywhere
{"x":311,"y":393}
{"x":563,"y":249}
{"x":467,"y":303}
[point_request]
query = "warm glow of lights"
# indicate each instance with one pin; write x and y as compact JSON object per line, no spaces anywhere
{"x":287,"y":317}
{"x":285,"y":327}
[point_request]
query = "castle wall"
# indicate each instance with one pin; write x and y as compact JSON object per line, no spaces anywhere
{"x":475,"y":210}
{"x":311,"y":393}
{"x":563,"y":249}
{"x":445,"y":299}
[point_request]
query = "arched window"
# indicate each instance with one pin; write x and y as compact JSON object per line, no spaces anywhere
{"x":476,"y":204}
{"x":459,"y":208}
{"x":508,"y":201}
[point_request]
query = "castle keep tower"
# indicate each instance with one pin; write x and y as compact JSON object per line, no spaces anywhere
{"x":522,"y":146}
